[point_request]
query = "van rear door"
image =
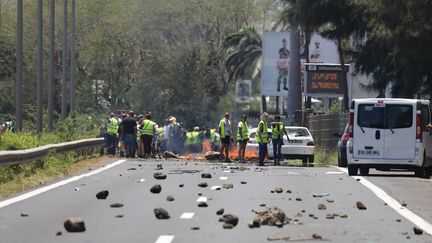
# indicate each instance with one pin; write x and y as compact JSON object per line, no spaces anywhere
{"x":400,"y":131}
{"x":368,"y":130}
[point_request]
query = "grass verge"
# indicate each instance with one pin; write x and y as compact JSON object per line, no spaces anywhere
{"x":20,"y":177}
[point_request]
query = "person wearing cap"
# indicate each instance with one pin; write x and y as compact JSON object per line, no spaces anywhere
{"x":262,"y":137}
{"x":242,"y":137}
{"x":278,"y":130}
{"x":147,"y":131}
{"x":225,"y":130}
{"x":111,"y":134}
{"x":129,"y":134}
{"x":175,"y":136}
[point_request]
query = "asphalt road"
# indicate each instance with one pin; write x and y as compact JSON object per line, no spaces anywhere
{"x":129,"y":183}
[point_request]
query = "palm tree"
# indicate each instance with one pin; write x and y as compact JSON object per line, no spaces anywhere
{"x":243,"y":52}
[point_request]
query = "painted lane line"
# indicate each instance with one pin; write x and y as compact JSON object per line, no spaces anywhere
{"x":55,"y":185}
{"x":223,"y":178}
{"x":394,"y":204}
{"x":165,"y":239}
{"x":202,"y":199}
{"x":215,"y":187}
{"x":187,"y":215}
{"x":335,"y":172}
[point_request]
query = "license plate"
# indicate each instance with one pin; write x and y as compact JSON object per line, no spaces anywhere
{"x":295,"y":141}
{"x":368,"y":152}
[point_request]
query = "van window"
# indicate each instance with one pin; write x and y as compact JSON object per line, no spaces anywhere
{"x":370,"y":116}
{"x":385,"y":117}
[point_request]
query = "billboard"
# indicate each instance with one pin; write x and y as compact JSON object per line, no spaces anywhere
{"x":243,"y":91}
{"x":275,"y":68}
{"x":325,"y":80}
{"x":321,"y":50}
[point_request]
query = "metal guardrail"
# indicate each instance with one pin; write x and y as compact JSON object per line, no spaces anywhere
{"x":21,"y":156}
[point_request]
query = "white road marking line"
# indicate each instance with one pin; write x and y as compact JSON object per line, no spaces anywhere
{"x":223,"y":178}
{"x":393,"y":203}
{"x":202,"y":199}
{"x":165,"y":239}
{"x":335,"y":172}
{"x":187,"y":215}
{"x":227,"y":171}
{"x":55,"y":185}
{"x":215,"y":187}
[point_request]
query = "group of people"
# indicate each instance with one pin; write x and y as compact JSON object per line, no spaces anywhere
{"x":7,"y":126}
{"x":141,"y":136}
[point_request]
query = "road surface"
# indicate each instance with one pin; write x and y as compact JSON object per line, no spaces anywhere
{"x":38,"y":216}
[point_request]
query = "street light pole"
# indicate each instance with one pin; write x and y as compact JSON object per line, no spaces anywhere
{"x":51,"y":67}
{"x":64,"y":61}
{"x":19,"y":63}
{"x":73,"y":59}
{"x":39,"y":69}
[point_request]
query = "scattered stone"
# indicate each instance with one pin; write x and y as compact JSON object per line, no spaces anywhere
{"x":156,"y":188}
{"x":298,"y":199}
{"x":322,"y":206}
{"x":218,"y":188}
{"x":74,"y":225}
{"x":320,"y":194}
{"x":398,"y":220}
{"x":272,"y":216}
{"x":272,"y":191}
{"x":203,"y":184}
{"x":229,"y":219}
{"x":344,"y":216}
{"x":102,"y":194}
{"x":243,"y":182}
{"x":360,"y":205}
{"x":212,"y":155}
{"x":195,"y":228}
{"x":159,"y":176}
{"x":139,"y":165}
{"x":330,"y":200}
{"x":59,"y":233}
{"x":202,"y":205}
{"x":303,"y":211}
{"x":228,"y":186}
{"x":298,"y":215}
{"x":181,"y":185}
{"x":170,"y":198}
{"x":119,"y":216}
{"x":278,"y":189}
{"x":358,"y":179}
{"x":220,"y":211}
{"x":161,"y":213}
{"x":159,"y":167}
{"x":206,"y":175}
{"x":131,"y":169}
{"x":170,"y":155}
{"x":403,"y":204}
{"x":408,"y":237}
{"x":228,"y":226}
{"x":316,"y":237}
{"x":417,"y":231}
{"x":262,"y":205}
{"x":330,"y":216}
{"x":120,"y":175}
{"x":76,"y":189}
{"x":199,"y":194}
{"x":24,"y":215}
{"x":289,"y":191}
{"x":116,"y":205}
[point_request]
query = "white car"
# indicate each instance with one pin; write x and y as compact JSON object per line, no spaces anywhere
{"x":252,"y":144}
{"x":299,"y":146}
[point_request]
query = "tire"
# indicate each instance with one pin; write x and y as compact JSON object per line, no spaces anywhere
{"x":339,"y":161}
{"x":305,"y":160}
{"x":364,"y":171}
{"x":352,"y":170}
{"x":420,"y":171}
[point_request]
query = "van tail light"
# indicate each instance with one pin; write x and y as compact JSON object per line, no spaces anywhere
{"x":351,"y":125}
{"x":418,"y":127}
{"x":345,"y":138}
{"x":310,"y":144}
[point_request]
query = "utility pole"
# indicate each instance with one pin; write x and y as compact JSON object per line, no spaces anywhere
{"x":64,"y":62}
{"x":73,"y":59}
{"x":51,"y":67}
{"x":39,"y":101}
{"x":19,"y":63}
{"x":294,"y":92}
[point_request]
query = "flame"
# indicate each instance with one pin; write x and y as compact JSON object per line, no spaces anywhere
{"x":206,"y":146}
{"x":251,"y":154}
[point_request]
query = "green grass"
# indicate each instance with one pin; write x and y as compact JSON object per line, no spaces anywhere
{"x":325,"y":157}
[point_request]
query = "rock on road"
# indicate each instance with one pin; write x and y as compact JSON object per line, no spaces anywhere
{"x":319,"y":204}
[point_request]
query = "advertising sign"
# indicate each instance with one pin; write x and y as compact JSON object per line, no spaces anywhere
{"x":243,"y":91}
{"x":325,"y":80}
{"x":275,"y":68}
{"x":321,"y":50}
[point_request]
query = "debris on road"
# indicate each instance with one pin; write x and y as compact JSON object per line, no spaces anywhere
{"x":159,"y":167}
{"x":203,"y":184}
{"x":202,"y":205}
{"x":159,"y":176}
{"x":181,"y":185}
{"x":161,"y":213}
{"x":228,"y":186}
{"x":417,"y":231}
{"x":131,"y":168}
{"x":278,"y":189}
{"x":298,"y":199}
{"x":76,"y":189}
{"x":206,"y":175}
{"x":212,"y":155}
{"x":74,"y":225}
{"x":220,"y":211}
{"x":116,"y":205}
{"x":119,"y":216}
{"x":229,"y":219}
{"x":360,"y":205}
{"x":102,"y":194}
{"x":320,"y":194}
{"x":330,"y":216}
{"x":184,"y":171}
{"x":243,"y":182}
{"x":272,"y":217}
{"x":289,"y":191}
{"x":59,"y":233}
{"x":403,"y":204}
{"x":195,"y":228}
{"x":156,"y":188}
{"x":170,"y":155}
{"x":170,"y":198}
{"x":228,"y":226}
{"x":141,"y":180}
{"x":330,"y":200}
{"x":24,"y":215}
{"x":322,"y":206}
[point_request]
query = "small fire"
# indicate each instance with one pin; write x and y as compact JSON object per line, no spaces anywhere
{"x":206,"y":146}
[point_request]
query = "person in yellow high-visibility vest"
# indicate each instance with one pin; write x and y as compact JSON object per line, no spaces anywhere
{"x":242,"y":137}
{"x":148,"y":130}
{"x":262,"y":137}
{"x":111,"y":134}
{"x":278,"y":130}
{"x":196,"y":140}
{"x":225,"y":131}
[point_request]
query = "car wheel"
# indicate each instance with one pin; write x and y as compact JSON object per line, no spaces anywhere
{"x":420,"y":171}
{"x":352,"y":170}
{"x":364,"y":171}
{"x":339,"y":161}
{"x":305,"y":160}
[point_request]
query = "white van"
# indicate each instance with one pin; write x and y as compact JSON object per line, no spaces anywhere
{"x":389,"y":133}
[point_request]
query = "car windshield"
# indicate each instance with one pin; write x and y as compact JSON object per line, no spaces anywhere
{"x":297,"y":132}
{"x":390,"y":116}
